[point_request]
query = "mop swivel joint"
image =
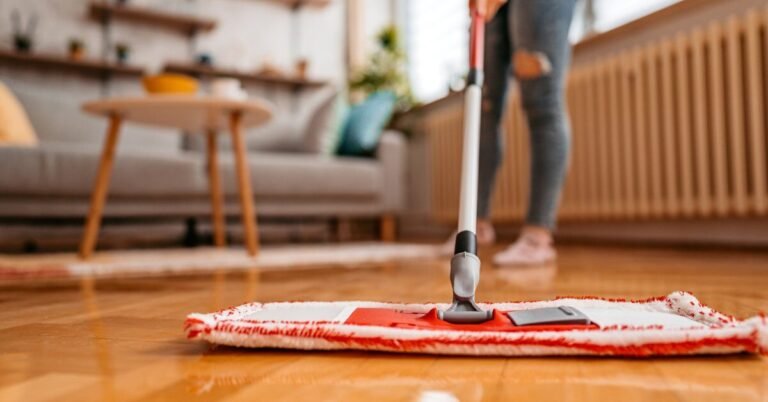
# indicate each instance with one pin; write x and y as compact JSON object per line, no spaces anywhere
{"x":465,"y":276}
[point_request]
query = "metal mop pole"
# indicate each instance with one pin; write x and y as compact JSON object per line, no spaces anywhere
{"x":465,"y":265}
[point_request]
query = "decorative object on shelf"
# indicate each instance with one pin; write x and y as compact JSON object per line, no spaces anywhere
{"x":205,"y":59}
{"x":76,"y":49}
{"x":168,"y":83}
{"x":268,"y":69}
{"x":122,"y":52}
{"x":386,"y":71}
{"x":23,"y":39}
{"x":302,"y":66}
{"x":199,"y":71}
{"x":230,"y":88}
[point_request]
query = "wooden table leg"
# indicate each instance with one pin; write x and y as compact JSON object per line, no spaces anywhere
{"x":214,"y":182}
{"x":100,"y":187}
{"x":244,"y":185}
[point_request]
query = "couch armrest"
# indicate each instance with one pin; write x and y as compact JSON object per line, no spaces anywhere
{"x":392,"y":156}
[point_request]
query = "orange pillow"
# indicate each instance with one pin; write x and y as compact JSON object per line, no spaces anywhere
{"x":15,"y":128}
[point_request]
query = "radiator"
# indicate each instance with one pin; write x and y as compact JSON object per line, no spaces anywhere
{"x":674,"y":128}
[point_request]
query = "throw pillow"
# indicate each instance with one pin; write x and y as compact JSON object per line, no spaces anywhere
{"x":15,"y":128}
{"x":365,"y":123}
{"x":319,"y":130}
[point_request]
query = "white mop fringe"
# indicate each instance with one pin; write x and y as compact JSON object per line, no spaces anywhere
{"x":714,"y":332}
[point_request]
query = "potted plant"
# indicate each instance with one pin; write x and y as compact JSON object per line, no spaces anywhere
{"x":23,"y":38}
{"x":76,"y":49}
{"x":385,"y":71}
{"x":122,"y":52}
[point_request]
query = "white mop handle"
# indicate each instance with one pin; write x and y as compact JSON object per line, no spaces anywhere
{"x":470,"y":159}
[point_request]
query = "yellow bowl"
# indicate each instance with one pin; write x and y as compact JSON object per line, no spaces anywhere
{"x":170,"y":84}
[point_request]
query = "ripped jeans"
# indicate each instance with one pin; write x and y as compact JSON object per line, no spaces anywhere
{"x":530,"y":39}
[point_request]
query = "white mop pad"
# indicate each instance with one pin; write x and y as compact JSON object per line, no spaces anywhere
{"x":677,"y":324}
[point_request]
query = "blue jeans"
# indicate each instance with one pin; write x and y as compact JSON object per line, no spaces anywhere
{"x":538,"y":31}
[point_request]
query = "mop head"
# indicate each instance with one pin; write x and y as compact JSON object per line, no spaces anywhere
{"x":677,"y":324}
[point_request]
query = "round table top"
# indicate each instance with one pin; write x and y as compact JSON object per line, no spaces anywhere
{"x":190,"y":113}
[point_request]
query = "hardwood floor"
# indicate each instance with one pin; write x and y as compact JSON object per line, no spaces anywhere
{"x":122,"y":340}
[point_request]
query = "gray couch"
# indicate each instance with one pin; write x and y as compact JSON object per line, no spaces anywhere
{"x":154,"y":176}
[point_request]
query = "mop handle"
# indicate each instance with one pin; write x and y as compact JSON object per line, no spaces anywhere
{"x":466,"y":239}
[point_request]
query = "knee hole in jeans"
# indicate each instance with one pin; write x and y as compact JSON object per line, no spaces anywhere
{"x":530,"y":65}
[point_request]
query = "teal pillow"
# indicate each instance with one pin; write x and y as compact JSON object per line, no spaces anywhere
{"x":364,"y":124}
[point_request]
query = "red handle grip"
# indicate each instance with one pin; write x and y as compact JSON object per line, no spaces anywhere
{"x":476,"y":40}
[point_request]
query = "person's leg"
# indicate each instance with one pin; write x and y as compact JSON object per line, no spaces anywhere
{"x":498,"y":54}
{"x":542,"y":54}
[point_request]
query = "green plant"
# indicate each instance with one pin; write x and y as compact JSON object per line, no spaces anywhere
{"x":385,"y":70}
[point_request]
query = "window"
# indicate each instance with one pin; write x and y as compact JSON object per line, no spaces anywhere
{"x":436,"y":34}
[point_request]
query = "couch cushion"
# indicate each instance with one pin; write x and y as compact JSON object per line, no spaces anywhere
{"x":15,"y":128}
{"x":365,"y":123}
{"x":282,"y":133}
{"x":62,"y":169}
{"x":56,"y":115}
{"x":320,"y":132}
{"x":307,"y":175}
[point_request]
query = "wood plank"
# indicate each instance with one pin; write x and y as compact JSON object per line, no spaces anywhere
{"x":738,"y":168}
{"x":701,"y":126}
{"x":683,"y":128}
{"x":641,"y":153}
{"x":247,"y":208}
{"x":602,"y":152}
{"x":47,"y":61}
{"x":247,"y":77}
{"x":590,"y":143}
{"x":565,"y":207}
{"x":216,"y":193}
{"x":716,"y":115}
{"x":671,"y":113}
{"x":136,"y":358}
{"x":100,"y":188}
{"x":183,"y":23}
{"x":579,"y":133}
{"x":654,"y":153}
{"x":757,"y":91}
{"x":616,"y":135}
{"x":628,"y":134}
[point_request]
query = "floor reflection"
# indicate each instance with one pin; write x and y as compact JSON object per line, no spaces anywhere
{"x":99,"y":337}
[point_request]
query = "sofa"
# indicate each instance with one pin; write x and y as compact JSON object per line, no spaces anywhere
{"x":158,"y":174}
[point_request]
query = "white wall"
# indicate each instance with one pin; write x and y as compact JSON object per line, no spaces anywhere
{"x":249,"y":32}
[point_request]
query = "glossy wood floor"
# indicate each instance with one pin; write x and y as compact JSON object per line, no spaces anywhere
{"x":121,"y":339}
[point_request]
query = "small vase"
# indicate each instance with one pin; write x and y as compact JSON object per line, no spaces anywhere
{"x":122,"y":55}
{"x":22,"y":44}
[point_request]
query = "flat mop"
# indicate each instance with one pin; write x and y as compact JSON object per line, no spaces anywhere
{"x":677,"y":324}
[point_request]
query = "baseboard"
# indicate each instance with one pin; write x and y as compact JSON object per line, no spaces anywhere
{"x":752,"y":233}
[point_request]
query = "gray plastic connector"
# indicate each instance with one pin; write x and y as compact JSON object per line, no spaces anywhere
{"x":465,"y":276}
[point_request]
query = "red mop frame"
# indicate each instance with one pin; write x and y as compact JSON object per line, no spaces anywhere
{"x":720,"y":334}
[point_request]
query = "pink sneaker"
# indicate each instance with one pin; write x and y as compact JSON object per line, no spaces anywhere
{"x":527,"y":250}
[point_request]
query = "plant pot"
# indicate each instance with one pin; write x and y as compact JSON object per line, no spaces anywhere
{"x":76,"y":50}
{"x":22,"y":44}
{"x":302,"y":66}
{"x":122,"y":54}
